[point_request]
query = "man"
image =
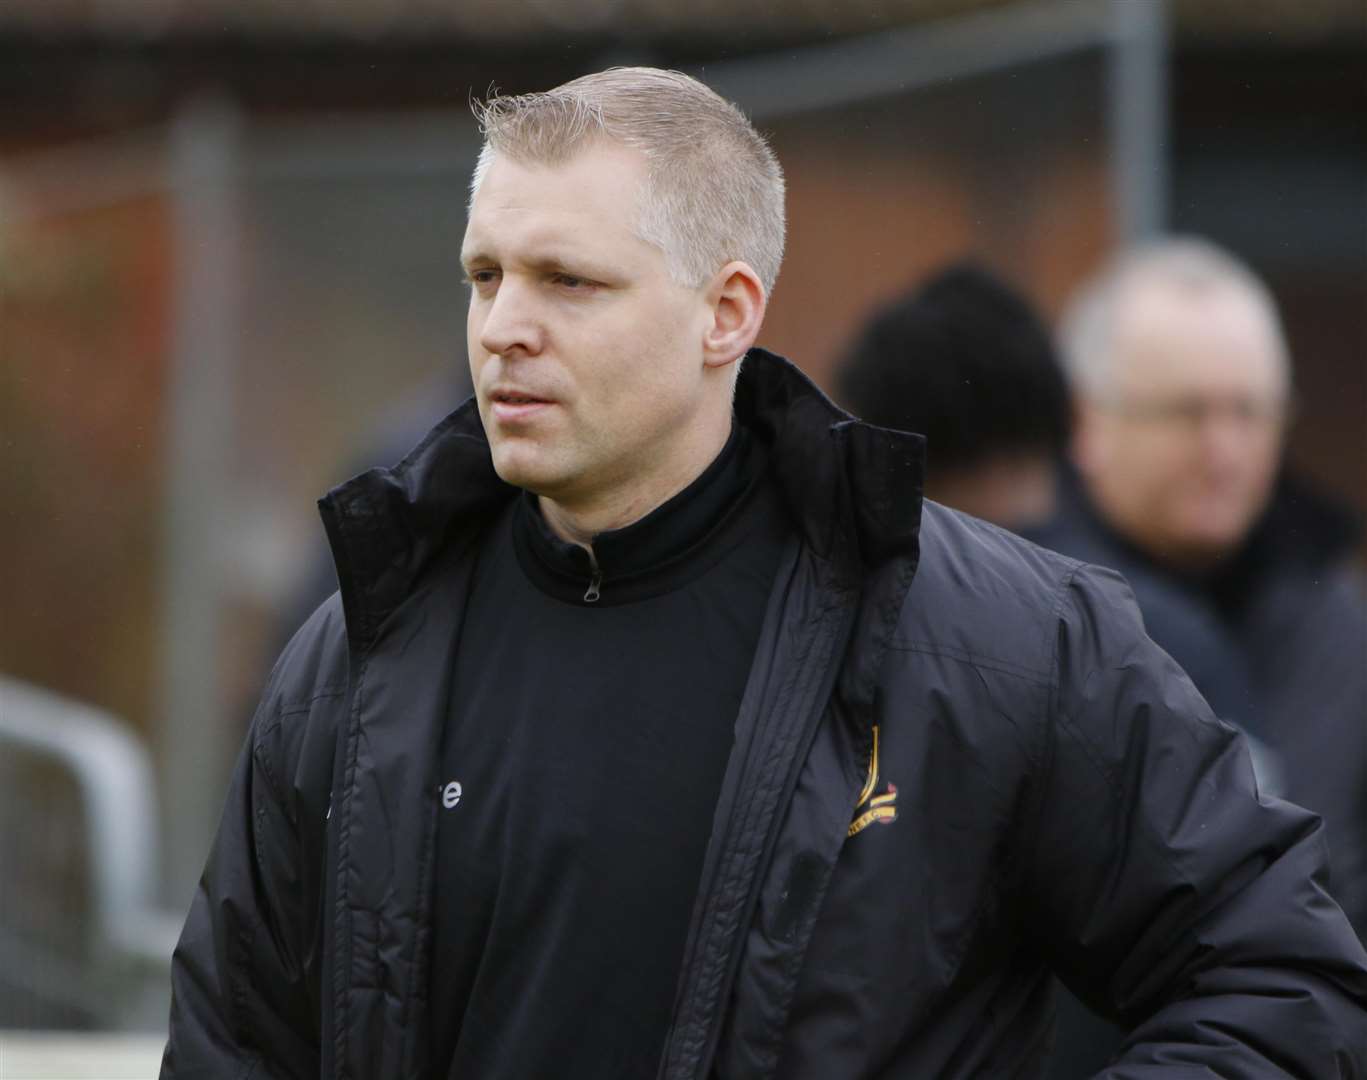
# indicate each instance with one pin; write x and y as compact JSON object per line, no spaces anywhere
{"x":1183,"y":387}
{"x":964,"y":361}
{"x":657,"y":730}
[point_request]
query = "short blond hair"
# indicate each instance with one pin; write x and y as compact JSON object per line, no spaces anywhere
{"x":714,"y":188}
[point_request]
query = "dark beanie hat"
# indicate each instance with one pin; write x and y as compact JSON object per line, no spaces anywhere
{"x":965,"y":361}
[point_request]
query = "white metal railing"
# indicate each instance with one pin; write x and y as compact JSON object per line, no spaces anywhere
{"x":29,"y":1055}
{"x":130,"y":938}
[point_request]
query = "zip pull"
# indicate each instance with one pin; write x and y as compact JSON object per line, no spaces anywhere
{"x":595,"y":581}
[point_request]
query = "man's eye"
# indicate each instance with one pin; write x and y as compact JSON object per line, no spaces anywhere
{"x":481,"y":277}
{"x":570,"y":281}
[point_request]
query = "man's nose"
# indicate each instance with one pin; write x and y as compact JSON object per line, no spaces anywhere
{"x":1229,"y":437}
{"x":511,"y":321}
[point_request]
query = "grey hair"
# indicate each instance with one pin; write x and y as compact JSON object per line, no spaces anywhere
{"x":1088,"y":327}
{"x":714,"y":189}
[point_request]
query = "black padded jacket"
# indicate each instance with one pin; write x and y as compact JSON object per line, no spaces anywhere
{"x":959,"y":764}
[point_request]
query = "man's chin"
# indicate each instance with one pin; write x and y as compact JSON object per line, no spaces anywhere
{"x":519,"y":477}
{"x":1205,"y":548}
{"x":521,"y":470}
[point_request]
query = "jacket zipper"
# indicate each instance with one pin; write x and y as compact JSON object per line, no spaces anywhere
{"x":595,"y":580}
{"x":695,"y":1035}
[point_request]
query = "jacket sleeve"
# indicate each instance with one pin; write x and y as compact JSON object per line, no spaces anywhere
{"x":1170,"y":896}
{"x":241,"y":1003}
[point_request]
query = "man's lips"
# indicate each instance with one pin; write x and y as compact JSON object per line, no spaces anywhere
{"x":510,"y":405}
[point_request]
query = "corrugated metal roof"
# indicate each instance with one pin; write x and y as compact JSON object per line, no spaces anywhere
{"x":700,"y":19}
{"x":481,"y":19}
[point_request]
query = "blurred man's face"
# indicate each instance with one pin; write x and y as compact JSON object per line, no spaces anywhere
{"x":1181,"y":456}
{"x":586,"y":358}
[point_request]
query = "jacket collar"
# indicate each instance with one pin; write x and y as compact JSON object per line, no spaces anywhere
{"x":853,"y":489}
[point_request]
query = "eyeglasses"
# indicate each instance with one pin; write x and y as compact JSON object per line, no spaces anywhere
{"x":1192,"y":414}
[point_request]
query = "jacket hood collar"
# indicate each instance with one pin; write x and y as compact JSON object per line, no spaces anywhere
{"x":853,"y":489}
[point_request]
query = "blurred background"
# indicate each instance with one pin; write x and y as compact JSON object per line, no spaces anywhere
{"x":229,"y":279}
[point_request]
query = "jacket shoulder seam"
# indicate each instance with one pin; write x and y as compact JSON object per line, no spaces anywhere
{"x":296,"y":708}
{"x":967,"y":656}
{"x":333,"y":690}
{"x":259,"y":751}
{"x":1065,"y":722}
{"x":1056,"y":613}
{"x":1044,"y":743}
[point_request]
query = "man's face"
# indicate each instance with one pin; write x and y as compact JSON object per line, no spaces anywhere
{"x":587,"y":360}
{"x":1181,"y":457}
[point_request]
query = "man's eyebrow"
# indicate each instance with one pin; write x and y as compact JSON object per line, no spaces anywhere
{"x":574,"y":265}
{"x":549,"y":263}
{"x":469,"y":258}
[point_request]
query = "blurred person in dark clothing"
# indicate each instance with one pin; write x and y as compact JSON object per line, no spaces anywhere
{"x":394,"y":432}
{"x":965,"y":361}
{"x":1183,"y":385}
{"x":660,"y":729}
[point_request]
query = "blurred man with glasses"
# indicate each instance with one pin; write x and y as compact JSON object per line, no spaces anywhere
{"x":1182,"y":382}
{"x":1183,"y":385}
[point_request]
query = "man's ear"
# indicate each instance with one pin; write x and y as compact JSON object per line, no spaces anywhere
{"x":736,"y":303}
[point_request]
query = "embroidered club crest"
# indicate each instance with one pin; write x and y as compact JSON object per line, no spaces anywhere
{"x":874,"y":808}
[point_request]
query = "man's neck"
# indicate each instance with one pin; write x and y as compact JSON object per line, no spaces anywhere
{"x":579,"y":525}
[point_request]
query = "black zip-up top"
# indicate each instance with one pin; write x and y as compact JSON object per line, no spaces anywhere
{"x":958,"y":764}
{"x":582,"y":759}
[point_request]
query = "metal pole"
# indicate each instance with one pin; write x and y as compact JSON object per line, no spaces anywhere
{"x":197,"y":742}
{"x":1138,"y":88}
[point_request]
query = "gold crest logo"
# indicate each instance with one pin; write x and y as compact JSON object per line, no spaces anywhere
{"x":880,"y":808}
